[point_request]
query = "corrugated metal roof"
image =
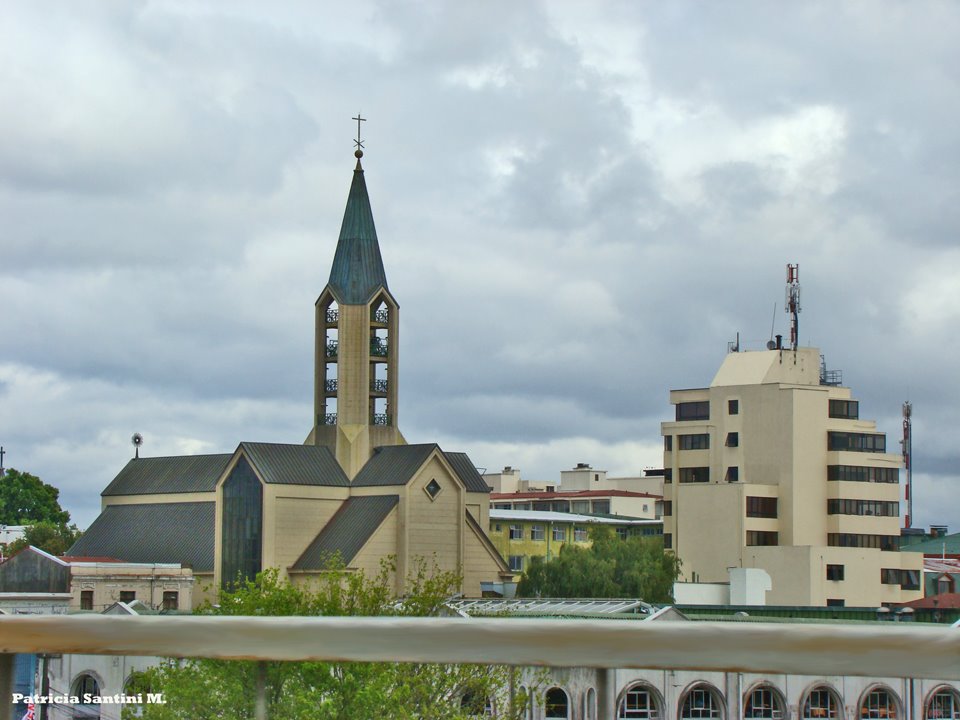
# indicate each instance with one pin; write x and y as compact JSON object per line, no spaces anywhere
{"x":349,"y":528}
{"x":552,"y":516}
{"x":393,"y":464}
{"x":153,"y":533}
{"x":550,"y":606}
{"x":357,"y":270}
{"x":181,"y":474}
{"x":949,"y":544}
{"x":566,"y":494}
{"x":467,"y":471}
{"x":295,"y":464}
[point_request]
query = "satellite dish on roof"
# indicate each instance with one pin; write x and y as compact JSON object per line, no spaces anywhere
{"x":137,"y":441}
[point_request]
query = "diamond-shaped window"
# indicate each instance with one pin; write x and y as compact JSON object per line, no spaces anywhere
{"x":433,"y":489}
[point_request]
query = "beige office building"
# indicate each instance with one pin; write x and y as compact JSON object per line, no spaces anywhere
{"x":771,"y":467}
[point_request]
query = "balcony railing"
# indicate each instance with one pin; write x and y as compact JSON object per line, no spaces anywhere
{"x":378,"y":386}
{"x":332,"y":346}
{"x":381,"y":316}
{"x":817,"y":650}
{"x":330,"y":385}
{"x":380,"y":419}
{"x":333,"y":315}
{"x":378,"y":347}
{"x":329,"y":419}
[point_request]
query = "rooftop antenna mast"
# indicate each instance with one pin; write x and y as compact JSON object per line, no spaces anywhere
{"x":793,"y":303}
{"x":907,"y":444}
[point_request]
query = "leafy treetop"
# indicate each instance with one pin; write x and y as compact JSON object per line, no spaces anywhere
{"x":25,"y":499}
{"x":200,"y":689}
{"x":636,"y":567}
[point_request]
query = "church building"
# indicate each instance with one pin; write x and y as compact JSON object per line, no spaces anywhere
{"x":354,"y":492}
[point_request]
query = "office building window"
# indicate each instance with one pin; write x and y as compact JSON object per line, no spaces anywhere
{"x":733,"y":439}
{"x":559,"y":533}
{"x":668,"y":475}
{"x":694,"y":474}
{"x":762,"y":537}
{"x":667,"y":508}
{"x":856,"y":473}
{"x":580,"y":534}
{"x":516,"y":532}
{"x":128,"y":596}
{"x":556,"y":705}
{"x":835,"y":572}
{"x":700,"y":441}
{"x":733,"y":407}
{"x":667,"y":443}
{"x":693,"y":411}
{"x":516,"y":563}
{"x":733,"y":473}
{"x":883,"y":542}
{"x":857,"y":442}
{"x":667,"y":541}
{"x":845,"y":409}
{"x":761,"y":507}
{"x":601,"y":507}
{"x":846,"y":506}
{"x":537,"y":533}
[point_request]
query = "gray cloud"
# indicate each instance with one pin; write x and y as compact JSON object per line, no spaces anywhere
{"x":578,"y":208}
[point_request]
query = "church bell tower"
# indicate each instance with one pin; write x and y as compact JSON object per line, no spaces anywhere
{"x":357,"y":319}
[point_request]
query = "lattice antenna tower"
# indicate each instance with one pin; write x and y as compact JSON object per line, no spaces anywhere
{"x":792,"y":304}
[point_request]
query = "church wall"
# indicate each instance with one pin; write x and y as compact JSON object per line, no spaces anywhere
{"x":435,"y":527}
{"x":382,"y":544}
{"x":293,"y":516}
{"x":157,"y":498}
{"x":478,"y":565}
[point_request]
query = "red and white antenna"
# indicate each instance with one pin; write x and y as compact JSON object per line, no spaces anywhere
{"x":792,"y":304}
{"x":908,"y":462}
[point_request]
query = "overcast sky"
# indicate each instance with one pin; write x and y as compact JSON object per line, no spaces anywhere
{"x":578,"y":205}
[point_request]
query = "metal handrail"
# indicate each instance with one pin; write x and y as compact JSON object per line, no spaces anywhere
{"x":890,"y":651}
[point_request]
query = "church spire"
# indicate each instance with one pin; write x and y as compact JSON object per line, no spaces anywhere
{"x":357,"y":270}
{"x":357,"y":326}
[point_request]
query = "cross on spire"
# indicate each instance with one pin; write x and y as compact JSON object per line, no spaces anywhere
{"x":358,"y":142}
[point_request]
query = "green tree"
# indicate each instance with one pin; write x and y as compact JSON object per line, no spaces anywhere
{"x":202,"y":688}
{"x":26,"y":499}
{"x":54,"y":538}
{"x":636,"y":567}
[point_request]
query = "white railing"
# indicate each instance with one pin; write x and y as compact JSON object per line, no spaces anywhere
{"x":888,"y":651}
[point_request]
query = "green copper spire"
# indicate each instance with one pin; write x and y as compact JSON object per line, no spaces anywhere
{"x":357,"y":269}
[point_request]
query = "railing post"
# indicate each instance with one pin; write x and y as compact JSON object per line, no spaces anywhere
{"x":260,"y":709}
{"x":6,"y":686}
{"x":606,"y":693}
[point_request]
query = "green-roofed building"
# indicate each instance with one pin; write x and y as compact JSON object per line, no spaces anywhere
{"x":355,"y":491}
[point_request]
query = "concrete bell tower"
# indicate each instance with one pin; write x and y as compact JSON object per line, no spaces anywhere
{"x":357,"y":322}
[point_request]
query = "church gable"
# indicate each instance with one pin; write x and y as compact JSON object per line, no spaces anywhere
{"x":347,"y":532}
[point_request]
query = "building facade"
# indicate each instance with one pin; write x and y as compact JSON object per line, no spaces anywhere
{"x":772,"y":467}
{"x":354,"y":493}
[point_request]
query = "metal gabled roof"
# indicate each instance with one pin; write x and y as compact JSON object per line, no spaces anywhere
{"x":357,"y":270}
{"x":180,"y":474}
{"x":467,"y":472}
{"x":393,"y":465}
{"x":152,"y":533}
{"x":295,"y":464}
{"x":550,"y":606}
{"x":349,"y":528}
